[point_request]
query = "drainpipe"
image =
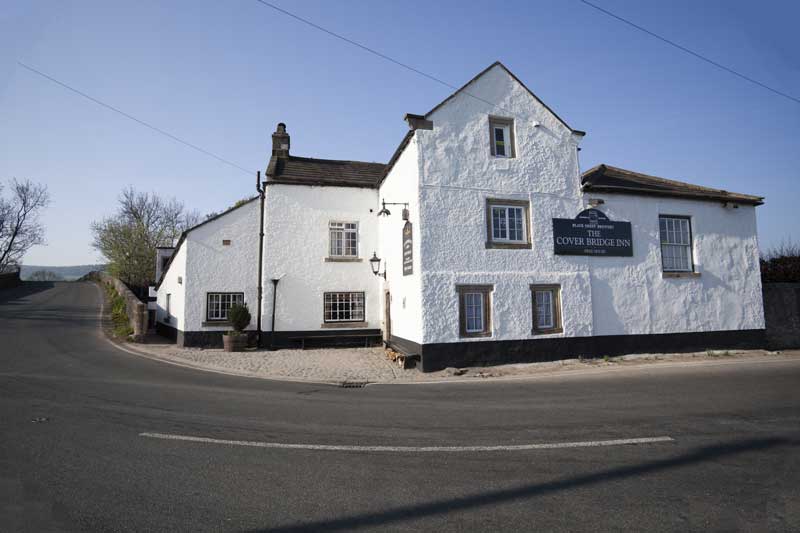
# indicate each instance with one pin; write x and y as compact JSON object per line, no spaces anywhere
{"x":274,"y":300}
{"x":261,"y":193}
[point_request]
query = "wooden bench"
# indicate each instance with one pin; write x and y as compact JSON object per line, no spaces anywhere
{"x":368,"y":338}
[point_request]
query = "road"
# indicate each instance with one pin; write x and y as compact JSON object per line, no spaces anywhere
{"x":73,"y":409}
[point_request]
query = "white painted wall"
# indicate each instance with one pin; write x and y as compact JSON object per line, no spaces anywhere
{"x":446,"y":175}
{"x":630,"y":295}
{"x":600,"y":296}
{"x":402,"y":185}
{"x":214,"y":267}
{"x":459,"y":173}
{"x":296,"y":245}
{"x":170,"y":285}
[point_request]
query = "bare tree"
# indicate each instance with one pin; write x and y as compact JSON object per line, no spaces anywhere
{"x":128,"y":240}
{"x":20,"y":228}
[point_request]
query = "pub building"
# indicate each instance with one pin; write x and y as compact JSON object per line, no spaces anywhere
{"x":479,"y":242}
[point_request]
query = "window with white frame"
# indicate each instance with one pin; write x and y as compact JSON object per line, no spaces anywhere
{"x":343,"y":239}
{"x":344,"y":307}
{"x":475,"y":310}
{"x":546,"y":300}
{"x":676,"y":243}
{"x":220,"y":302}
{"x":507,"y":224}
{"x":501,"y":135}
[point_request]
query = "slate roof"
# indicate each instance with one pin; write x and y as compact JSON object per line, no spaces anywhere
{"x":605,"y":178}
{"x":309,"y":171}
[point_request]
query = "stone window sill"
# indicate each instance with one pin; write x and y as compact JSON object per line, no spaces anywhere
{"x":344,"y":325}
{"x":476,"y":335}
{"x":547,"y":331}
{"x":217,"y":324}
{"x":666,"y":275}
{"x":343,"y":260}
{"x":509,"y":245}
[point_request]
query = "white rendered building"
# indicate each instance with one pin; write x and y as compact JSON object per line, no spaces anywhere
{"x":493,"y":247}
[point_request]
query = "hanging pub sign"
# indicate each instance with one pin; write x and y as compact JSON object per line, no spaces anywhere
{"x":592,"y":233}
{"x":408,"y":250}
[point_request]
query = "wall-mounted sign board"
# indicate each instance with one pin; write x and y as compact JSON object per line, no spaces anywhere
{"x":408,"y":250}
{"x":592,"y":233}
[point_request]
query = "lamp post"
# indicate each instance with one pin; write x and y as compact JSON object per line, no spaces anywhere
{"x":385,"y":212}
{"x":375,"y":263}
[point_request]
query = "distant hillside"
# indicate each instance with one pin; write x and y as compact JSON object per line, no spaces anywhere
{"x":68,"y":273}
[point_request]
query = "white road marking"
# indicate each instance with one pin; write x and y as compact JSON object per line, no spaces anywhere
{"x":415,"y":449}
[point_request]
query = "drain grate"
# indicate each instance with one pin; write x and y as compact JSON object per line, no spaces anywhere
{"x":353,"y":384}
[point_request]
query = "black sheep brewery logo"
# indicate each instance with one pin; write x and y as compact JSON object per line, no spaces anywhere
{"x":592,"y":233}
{"x":408,"y":250}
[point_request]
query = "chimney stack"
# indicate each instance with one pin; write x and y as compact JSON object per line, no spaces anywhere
{"x":280,"y":142}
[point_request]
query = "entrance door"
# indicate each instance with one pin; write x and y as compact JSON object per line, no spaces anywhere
{"x":387,"y":316}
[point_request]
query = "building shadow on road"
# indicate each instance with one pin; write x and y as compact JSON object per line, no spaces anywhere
{"x":27,"y":288}
{"x":415,"y":512}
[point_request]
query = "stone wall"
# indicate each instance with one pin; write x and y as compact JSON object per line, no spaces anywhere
{"x":782,"y":314}
{"x":137,"y":311}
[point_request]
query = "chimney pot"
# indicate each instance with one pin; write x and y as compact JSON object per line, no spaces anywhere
{"x":280,"y":141}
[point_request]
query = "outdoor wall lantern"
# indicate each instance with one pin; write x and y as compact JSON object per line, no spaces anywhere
{"x":375,"y":263}
{"x":385,"y":212}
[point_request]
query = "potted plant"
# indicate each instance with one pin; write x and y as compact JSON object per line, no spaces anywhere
{"x":236,"y":340}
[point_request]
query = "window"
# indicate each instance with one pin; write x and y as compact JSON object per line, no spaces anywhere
{"x":475,"y":310}
{"x":501,"y":136}
{"x":344,"y":239}
{"x":220,"y":302}
{"x":344,"y":307}
{"x":546,"y":303}
{"x":507,"y":224}
{"x":676,"y":243}
{"x":168,"y":313}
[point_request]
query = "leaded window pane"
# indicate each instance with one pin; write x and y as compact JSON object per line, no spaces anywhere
{"x":344,"y":307}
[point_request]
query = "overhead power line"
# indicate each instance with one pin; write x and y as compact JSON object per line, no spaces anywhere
{"x":690,"y":52}
{"x":131,"y":117}
{"x":379,"y":54}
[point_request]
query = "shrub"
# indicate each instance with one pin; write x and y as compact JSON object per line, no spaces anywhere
{"x":239,"y":317}
{"x":119,"y":313}
{"x":781,"y":264}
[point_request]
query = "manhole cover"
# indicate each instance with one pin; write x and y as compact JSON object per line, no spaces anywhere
{"x":353,"y":384}
{"x":40,"y":419}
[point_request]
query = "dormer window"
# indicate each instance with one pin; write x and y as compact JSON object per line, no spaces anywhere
{"x":501,"y":135}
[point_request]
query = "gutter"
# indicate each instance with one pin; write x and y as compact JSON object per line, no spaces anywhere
{"x":261,"y":192}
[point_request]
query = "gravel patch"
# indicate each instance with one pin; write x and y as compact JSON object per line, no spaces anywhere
{"x":372,"y":365}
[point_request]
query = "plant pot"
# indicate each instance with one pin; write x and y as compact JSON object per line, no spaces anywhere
{"x":234,"y":342}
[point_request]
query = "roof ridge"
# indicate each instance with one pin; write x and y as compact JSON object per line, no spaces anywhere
{"x":304,"y":158}
{"x":629,"y":180}
{"x":663,"y":180}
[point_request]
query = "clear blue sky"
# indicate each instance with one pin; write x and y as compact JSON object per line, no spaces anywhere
{"x":222,"y":74}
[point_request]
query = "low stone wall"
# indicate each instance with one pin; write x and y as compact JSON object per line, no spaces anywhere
{"x":782,"y":315}
{"x":10,"y":279}
{"x":137,"y":311}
